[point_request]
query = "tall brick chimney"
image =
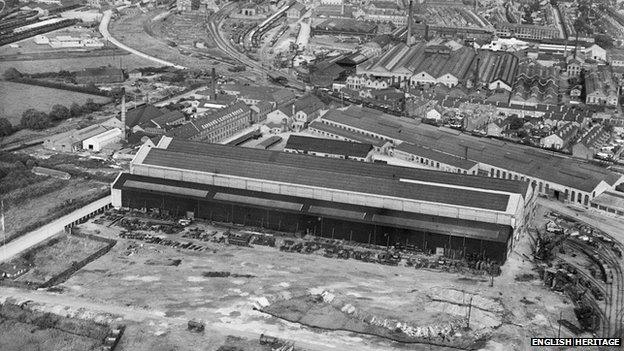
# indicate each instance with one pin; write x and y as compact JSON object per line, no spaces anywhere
{"x":408,"y":36}
{"x":213,"y":89}
{"x":123,"y":114}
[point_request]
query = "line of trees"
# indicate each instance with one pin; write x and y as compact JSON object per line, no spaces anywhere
{"x":38,"y":120}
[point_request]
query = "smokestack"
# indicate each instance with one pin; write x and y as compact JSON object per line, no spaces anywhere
{"x":408,"y":39}
{"x":476,"y":72}
{"x":213,"y":91}
{"x":123,"y":114}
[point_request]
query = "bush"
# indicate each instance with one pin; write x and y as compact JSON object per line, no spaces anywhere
{"x":75,"y":110}
{"x":59,"y":113}
{"x":5,"y":127}
{"x":36,"y":120}
{"x":12,"y":73}
{"x":90,"y":106}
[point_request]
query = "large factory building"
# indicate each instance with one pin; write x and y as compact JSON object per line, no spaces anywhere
{"x":462,"y":215}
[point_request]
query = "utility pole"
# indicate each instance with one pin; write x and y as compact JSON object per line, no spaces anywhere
{"x":2,"y":226}
{"x":559,"y":322}
{"x":469,"y":311}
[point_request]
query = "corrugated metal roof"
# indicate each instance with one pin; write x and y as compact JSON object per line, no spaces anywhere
{"x":328,"y":146}
{"x":525,"y":160}
{"x":336,"y":174}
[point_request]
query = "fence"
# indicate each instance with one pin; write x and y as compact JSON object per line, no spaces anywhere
{"x":63,"y":276}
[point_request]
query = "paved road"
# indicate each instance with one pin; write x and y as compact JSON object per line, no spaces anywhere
{"x":49,"y":230}
{"x":104,"y":31}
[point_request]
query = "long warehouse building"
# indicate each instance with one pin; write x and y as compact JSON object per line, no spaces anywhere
{"x":559,"y":177}
{"x":463,"y":215}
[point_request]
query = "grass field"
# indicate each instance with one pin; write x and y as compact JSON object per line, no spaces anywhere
{"x":22,"y":336}
{"x":47,"y":205}
{"x":128,"y":62}
{"x":56,"y":258}
{"x":15,"y":98}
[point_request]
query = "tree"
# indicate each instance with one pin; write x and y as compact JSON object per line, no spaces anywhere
{"x":59,"y":113}
{"x":34,"y":119}
{"x":12,"y":74}
{"x":604,"y":41}
{"x":5,"y":127}
{"x":90,"y":106}
{"x":75,"y":110}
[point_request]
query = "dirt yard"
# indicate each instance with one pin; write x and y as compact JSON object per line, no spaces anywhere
{"x":128,"y":283}
{"x":132,"y":29}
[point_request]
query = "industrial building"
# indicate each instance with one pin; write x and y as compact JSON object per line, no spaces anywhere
{"x":71,"y":141}
{"x":420,"y":64}
{"x":100,"y":141}
{"x":460,"y":215}
{"x":563,"y":178}
{"x":350,"y":150}
{"x":216,"y":126}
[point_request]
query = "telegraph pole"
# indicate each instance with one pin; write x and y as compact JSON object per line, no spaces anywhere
{"x":469,"y":311}
{"x":559,"y":329}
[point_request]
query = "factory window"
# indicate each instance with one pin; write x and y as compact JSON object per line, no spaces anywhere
{"x":498,"y":173}
{"x":579,"y":198}
{"x":586,"y":200}
{"x":504,"y":174}
{"x":593,"y":194}
{"x":547,"y":187}
{"x":509,"y":176}
{"x":438,"y":164}
{"x":491,"y":172}
{"x":516,"y":177}
{"x":540,"y":187}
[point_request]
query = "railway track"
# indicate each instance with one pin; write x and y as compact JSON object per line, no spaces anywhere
{"x":612,"y":285}
{"x":214,"y":25}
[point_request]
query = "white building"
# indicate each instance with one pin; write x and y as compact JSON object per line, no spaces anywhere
{"x":596,"y":52}
{"x":97,"y":142}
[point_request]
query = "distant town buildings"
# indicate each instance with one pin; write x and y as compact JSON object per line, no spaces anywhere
{"x":600,"y":88}
{"x":561,"y":138}
{"x":215,"y":126}
{"x":296,"y":11}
